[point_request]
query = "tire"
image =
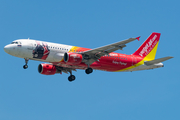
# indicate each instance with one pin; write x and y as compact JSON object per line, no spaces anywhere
{"x":71,"y":78}
{"x":89,"y":70}
{"x":25,"y":66}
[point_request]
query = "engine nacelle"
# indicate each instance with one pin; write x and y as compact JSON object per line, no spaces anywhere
{"x":46,"y":69}
{"x":72,"y":58}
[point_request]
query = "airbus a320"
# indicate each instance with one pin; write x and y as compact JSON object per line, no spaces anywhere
{"x":65,"y":58}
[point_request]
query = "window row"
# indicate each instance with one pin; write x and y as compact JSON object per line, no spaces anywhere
{"x":58,"y":48}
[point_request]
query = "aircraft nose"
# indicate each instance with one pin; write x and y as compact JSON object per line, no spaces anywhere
{"x":7,"y":48}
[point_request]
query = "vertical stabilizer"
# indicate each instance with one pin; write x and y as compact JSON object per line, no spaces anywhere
{"x":148,"y":49}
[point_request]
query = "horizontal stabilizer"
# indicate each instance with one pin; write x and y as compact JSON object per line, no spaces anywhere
{"x":152,"y":62}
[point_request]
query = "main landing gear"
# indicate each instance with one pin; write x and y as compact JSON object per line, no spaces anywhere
{"x":89,"y":70}
{"x":71,"y":77}
{"x":26,"y":61}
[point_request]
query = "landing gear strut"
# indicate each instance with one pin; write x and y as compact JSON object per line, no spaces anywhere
{"x":71,"y":77}
{"x":89,"y":70}
{"x":26,"y":61}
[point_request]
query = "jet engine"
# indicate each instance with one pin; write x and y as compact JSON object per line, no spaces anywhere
{"x":46,"y":69}
{"x":72,"y":58}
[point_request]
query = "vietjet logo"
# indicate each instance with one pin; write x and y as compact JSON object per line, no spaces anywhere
{"x":149,"y":46}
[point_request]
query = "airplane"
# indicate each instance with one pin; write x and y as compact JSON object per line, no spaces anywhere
{"x":67,"y":58}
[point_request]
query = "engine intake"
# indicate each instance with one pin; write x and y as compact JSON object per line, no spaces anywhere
{"x":46,"y":69}
{"x":72,"y":58}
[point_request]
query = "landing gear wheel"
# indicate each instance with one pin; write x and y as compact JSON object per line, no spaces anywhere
{"x":25,"y":66}
{"x":89,"y":70}
{"x":71,"y":78}
{"x":26,"y":61}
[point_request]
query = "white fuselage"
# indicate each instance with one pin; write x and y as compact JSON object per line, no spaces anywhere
{"x":24,"y":47}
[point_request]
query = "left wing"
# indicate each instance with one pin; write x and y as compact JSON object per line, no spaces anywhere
{"x":93,"y":55}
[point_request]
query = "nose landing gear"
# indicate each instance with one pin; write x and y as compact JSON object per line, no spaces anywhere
{"x":26,"y":61}
{"x":25,"y":66}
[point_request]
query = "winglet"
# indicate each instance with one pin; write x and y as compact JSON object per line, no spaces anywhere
{"x":138,"y":38}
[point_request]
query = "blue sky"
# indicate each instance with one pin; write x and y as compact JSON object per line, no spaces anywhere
{"x":143,"y":95}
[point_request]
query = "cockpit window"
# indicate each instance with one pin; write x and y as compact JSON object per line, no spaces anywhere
{"x":15,"y":42}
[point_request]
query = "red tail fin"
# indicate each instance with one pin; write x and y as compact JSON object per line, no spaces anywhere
{"x":149,"y":47}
